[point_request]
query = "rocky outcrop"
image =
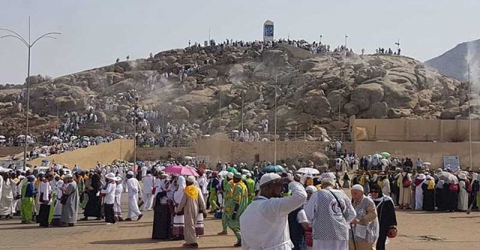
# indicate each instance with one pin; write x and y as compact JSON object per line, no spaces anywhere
{"x":209,"y":88}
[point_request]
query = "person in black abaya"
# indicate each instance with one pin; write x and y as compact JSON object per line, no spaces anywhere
{"x":386,"y":215}
{"x":161,"y":218}
{"x":94,"y":204}
{"x":428,"y":188}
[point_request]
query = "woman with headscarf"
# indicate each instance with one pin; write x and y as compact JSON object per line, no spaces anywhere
{"x":463,"y":193}
{"x":161,"y":214}
{"x":419,"y":191}
{"x":386,"y":216}
{"x":178,"y":218}
{"x":365,"y":225}
{"x":428,"y":188}
{"x":94,"y":203}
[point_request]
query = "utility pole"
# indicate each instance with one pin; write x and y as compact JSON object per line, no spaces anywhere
{"x":29,"y":46}
{"x":275,"y":120}
{"x":242,"y":108}
{"x":470,"y":118}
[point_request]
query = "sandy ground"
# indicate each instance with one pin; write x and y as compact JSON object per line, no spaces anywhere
{"x":417,"y":230}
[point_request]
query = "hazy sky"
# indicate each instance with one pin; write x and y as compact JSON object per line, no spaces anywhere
{"x":96,"y":32}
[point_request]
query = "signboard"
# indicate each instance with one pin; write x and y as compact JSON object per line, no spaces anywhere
{"x":452,"y":161}
{"x":268,"y":31}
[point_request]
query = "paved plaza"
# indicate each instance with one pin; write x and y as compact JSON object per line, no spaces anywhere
{"x":417,"y":230}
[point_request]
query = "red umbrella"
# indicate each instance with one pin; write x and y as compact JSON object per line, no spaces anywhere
{"x":181,"y":170}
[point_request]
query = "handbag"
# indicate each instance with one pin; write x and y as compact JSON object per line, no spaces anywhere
{"x":140,"y":202}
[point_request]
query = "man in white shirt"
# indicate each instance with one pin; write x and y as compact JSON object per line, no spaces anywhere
{"x":45,"y":192}
{"x":203,"y":185}
{"x":148,"y":185}
{"x":109,"y":198}
{"x":133,"y":192}
{"x":270,"y":210}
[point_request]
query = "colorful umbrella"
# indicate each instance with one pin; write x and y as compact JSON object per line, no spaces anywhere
{"x":385,"y":154}
{"x":274,"y":169}
{"x":311,"y":171}
{"x":181,"y":170}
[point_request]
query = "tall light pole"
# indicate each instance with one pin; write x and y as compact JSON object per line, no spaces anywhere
{"x":242,"y":107}
{"x":29,"y":46}
{"x":275,"y":121}
{"x":346,"y":41}
{"x":470,"y":117}
{"x":320,"y":39}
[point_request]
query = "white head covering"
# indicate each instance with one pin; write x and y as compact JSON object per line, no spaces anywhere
{"x":230,"y":175}
{"x":178,"y":195}
{"x":311,"y":188}
{"x":462,"y":176}
{"x":268,"y":177}
{"x":358,"y":187}
{"x":191,"y":179}
{"x":421,"y":177}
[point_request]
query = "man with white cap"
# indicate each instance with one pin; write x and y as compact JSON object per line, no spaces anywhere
{"x":191,"y":205}
{"x":117,"y":206}
{"x":133,"y":192}
{"x":70,"y":201}
{"x":330,"y":211}
{"x":109,"y":198}
{"x":148,"y":185}
{"x":250,"y":182}
{"x":365,"y":225}
{"x":227,"y":188}
{"x":270,"y":210}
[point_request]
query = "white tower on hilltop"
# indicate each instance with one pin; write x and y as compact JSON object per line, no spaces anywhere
{"x":268,"y":29}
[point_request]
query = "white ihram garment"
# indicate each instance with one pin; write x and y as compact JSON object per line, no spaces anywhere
{"x":133,"y":191}
{"x":148,"y":184}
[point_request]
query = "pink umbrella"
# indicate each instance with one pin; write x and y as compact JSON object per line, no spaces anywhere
{"x":181,"y":170}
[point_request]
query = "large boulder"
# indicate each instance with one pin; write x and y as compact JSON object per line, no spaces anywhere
{"x":315,"y":105}
{"x":319,"y":159}
{"x":273,"y":58}
{"x":398,"y":97}
{"x":366,"y":94}
{"x":450,"y":113}
{"x":378,"y":110}
{"x":351,"y":109}
{"x":336,"y":98}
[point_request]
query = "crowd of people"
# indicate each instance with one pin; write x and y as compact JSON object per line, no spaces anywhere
{"x":308,"y":211}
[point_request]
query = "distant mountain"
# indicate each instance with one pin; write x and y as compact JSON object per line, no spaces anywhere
{"x":453,"y":63}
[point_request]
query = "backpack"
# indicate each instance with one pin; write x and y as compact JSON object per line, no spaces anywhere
{"x":468,"y":186}
{"x":431,"y":185}
{"x":406,"y":182}
{"x":453,"y":187}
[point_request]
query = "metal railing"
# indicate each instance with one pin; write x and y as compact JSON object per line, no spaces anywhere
{"x":343,"y":136}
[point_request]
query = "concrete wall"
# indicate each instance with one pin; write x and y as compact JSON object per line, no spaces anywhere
{"x":153,"y":154}
{"x":246,"y":151}
{"x":417,"y":130}
{"x":87,"y":158}
{"x":427,"y":151}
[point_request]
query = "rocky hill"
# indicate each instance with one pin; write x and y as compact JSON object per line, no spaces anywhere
{"x":454,"y":63}
{"x":203,"y":88}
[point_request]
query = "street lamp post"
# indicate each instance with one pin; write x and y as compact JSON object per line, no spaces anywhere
{"x":29,"y":45}
{"x":470,"y":118}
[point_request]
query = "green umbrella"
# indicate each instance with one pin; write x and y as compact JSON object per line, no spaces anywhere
{"x":385,"y":154}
